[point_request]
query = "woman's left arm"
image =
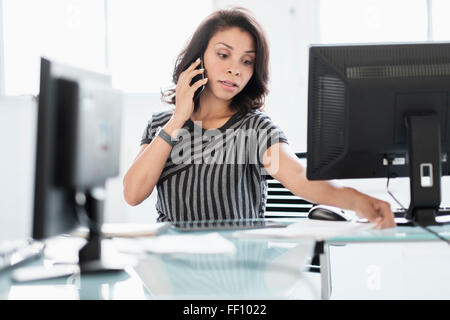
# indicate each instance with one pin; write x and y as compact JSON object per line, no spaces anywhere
{"x":282,"y":164}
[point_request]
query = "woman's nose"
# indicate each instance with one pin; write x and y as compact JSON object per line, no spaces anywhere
{"x":236,"y":72}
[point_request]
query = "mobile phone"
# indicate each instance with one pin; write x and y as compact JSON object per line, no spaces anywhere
{"x":197,"y":78}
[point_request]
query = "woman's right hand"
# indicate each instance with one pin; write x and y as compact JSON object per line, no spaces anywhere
{"x":184,"y":93}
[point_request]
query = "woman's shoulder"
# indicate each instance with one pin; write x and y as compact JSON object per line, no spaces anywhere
{"x":160,"y":118}
{"x":162,"y":114}
{"x":257,"y":116}
{"x":257,"y":113}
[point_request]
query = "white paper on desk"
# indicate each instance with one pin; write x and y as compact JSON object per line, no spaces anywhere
{"x":308,"y":229}
{"x":126,"y":230}
{"x":130,"y":230}
{"x":210,"y":243}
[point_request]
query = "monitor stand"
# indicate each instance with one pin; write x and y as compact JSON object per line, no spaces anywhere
{"x":424,"y":150}
{"x":90,"y":257}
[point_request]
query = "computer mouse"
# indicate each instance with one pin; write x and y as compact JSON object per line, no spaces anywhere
{"x":322,"y":212}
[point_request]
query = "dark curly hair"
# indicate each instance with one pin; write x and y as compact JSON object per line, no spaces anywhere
{"x":253,"y":95}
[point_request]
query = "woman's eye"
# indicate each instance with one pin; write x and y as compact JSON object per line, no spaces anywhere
{"x":246,"y":62}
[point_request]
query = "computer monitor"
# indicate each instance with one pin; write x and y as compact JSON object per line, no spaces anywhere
{"x":78,"y":146}
{"x":379,"y":110}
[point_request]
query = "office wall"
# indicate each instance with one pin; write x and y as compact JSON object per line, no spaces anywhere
{"x":18,"y":124}
{"x":138,"y":109}
{"x":2,"y":80}
{"x":291,"y":26}
{"x":18,"y":116}
{"x":17,"y":145}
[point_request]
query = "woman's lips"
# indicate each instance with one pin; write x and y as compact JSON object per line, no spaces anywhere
{"x":229,"y":86}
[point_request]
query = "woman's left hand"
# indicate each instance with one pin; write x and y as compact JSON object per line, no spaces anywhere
{"x":374,"y":210}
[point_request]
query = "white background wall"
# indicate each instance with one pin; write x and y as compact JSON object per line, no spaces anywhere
{"x":17,"y":142}
{"x":2,"y":84}
{"x":291,"y":25}
{"x":18,"y":125}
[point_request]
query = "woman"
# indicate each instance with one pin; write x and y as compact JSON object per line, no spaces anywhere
{"x":208,"y":157}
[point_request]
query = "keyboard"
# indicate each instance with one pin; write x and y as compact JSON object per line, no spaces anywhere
{"x":231,"y":224}
{"x":14,"y":253}
{"x":442,"y":216}
{"x":400,"y":213}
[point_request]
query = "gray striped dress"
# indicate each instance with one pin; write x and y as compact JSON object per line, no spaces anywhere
{"x":215,"y":174}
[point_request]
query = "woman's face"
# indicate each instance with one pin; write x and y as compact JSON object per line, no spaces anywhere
{"x":229,"y":62}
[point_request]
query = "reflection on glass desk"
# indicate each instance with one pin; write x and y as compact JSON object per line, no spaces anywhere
{"x":398,"y":263}
{"x":120,"y":286}
{"x":259,"y":269}
{"x":400,"y":233}
{"x":62,"y":251}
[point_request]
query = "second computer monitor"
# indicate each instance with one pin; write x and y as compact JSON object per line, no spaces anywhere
{"x":378,"y":110}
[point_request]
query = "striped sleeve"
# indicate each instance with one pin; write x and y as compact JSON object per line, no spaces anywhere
{"x":159,"y":119}
{"x":268,"y":134}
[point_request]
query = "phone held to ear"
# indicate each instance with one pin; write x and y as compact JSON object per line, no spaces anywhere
{"x":197,"y":78}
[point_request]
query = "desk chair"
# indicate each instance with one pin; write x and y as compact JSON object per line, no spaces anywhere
{"x":281,"y":203}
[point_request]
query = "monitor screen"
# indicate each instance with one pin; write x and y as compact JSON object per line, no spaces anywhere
{"x":78,"y":147}
{"x":379,"y":110}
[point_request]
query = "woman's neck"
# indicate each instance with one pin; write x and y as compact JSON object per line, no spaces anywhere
{"x":211,"y":108}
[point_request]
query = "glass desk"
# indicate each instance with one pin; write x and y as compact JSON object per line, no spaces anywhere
{"x":405,"y":255}
{"x":259,"y":269}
